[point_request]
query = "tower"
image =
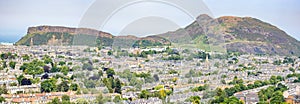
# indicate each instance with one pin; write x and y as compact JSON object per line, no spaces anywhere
{"x":206,"y":59}
{"x":31,"y":42}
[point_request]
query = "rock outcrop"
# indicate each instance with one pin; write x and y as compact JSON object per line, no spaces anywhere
{"x":59,"y":35}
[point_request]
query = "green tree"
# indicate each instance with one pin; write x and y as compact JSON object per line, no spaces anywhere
{"x":55,"y":101}
{"x":87,"y":66}
{"x":64,"y":70}
{"x":48,"y":85}
{"x":81,"y":101}
{"x":100,"y":73}
{"x":25,"y":57}
{"x":162,"y":94}
{"x":194,"y":99}
{"x":110,"y":53}
{"x":136,"y":82}
{"x":74,"y":87}
{"x":100,"y":99}
{"x":55,"y":68}
{"x":65,"y":99}
{"x":220,"y":96}
{"x":232,"y":100}
{"x":20,"y":78}
{"x":47,"y":59}
{"x":12,"y":64}
{"x":3,"y":90}
{"x":292,"y":70}
{"x":35,"y":67}
{"x":201,"y":88}
{"x":61,"y":63}
{"x":110,"y":72}
{"x":117,"y":99}
{"x":2,"y":99}
{"x":63,"y":86}
{"x":89,"y":83}
{"x":223,"y":81}
{"x":4,"y":65}
{"x":144,"y":94}
{"x":277,"y":98}
{"x":118,"y":86}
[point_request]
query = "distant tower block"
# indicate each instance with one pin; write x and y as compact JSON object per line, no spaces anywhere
{"x":31,"y":42}
{"x":206,"y":59}
{"x":207,"y":66}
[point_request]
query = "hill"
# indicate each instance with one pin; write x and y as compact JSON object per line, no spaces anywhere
{"x":223,"y":34}
{"x":234,"y":34}
{"x":58,"y":35}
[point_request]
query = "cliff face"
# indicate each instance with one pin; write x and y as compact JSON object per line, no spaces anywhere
{"x":60,"y":29}
{"x":58,"y":35}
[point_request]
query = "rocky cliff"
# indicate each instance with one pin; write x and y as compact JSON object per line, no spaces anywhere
{"x":58,"y":35}
{"x":61,"y":29}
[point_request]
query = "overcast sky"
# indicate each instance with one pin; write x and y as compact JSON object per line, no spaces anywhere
{"x":17,"y":15}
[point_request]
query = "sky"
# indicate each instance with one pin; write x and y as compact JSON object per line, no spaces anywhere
{"x":17,"y":15}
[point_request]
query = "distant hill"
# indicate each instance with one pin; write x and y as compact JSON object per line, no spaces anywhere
{"x":58,"y":35}
{"x":223,"y":34}
{"x":236,"y":34}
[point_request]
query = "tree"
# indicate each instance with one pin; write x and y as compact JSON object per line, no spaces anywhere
{"x":136,"y":82}
{"x":156,"y":78}
{"x":194,"y":99}
{"x":12,"y":64}
{"x":118,"y":86}
{"x":34,"y":68}
{"x":48,"y":85}
{"x":144,"y":94}
{"x":46,"y":69}
{"x":65,"y":99}
{"x":63,"y":86}
{"x":110,"y":72}
{"x":232,"y":100}
{"x":277,"y":98}
{"x":110,"y":53}
{"x":162,"y":94}
{"x":2,"y":99}
{"x":61,"y":63}
{"x":26,"y":81}
{"x":55,"y":101}
{"x":220,"y":96}
{"x":45,"y":76}
{"x":3,"y":90}
{"x":81,"y":101}
{"x":99,"y":99}
{"x":54,"y":68}
{"x":64,"y":70}
{"x":100,"y":73}
{"x":89,"y":83}
{"x":201,"y":88}
{"x":25,"y":57}
{"x":117,"y":99}
{"x":4,"y":65}
{"x":223,"y":81}
{"x":74,"y":87}
{"x":257,"y":84}
{"x":47,"y":59}
{"x":292,"y":70}
{"x":87,"y":66}
{"x":20,"y":78}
